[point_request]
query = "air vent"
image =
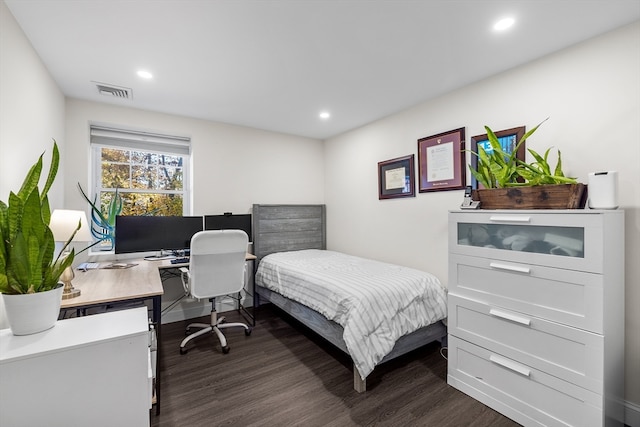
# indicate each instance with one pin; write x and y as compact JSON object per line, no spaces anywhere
{"x":114,"y":91}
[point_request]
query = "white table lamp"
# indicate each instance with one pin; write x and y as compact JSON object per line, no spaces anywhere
{"x":62,"y":224}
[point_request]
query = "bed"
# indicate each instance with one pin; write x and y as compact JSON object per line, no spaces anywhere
{"x":296,"y":273}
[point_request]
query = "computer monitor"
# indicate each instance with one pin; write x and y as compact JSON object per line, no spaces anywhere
{"x":229,"y":222}
{"x":155,"y":233}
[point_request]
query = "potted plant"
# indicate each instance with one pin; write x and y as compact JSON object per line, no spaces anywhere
{"x":29,"y":273}
{"x":510,"y":183}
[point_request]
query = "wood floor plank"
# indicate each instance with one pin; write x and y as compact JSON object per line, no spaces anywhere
{"x":285,"y":375}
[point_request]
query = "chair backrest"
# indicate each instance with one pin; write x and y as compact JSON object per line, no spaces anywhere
{"x":217,"y":262}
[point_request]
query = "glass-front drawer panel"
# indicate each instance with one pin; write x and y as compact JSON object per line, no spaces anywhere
{"x":541,"y":239}
{"x":563,"y":240}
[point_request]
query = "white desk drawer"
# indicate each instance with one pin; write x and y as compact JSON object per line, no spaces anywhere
{"x":568,"y":353}
{"x":150,"y":381}
{"x":569,"y":241}
{"x":529,"y":396}
{"x":569,"y":297}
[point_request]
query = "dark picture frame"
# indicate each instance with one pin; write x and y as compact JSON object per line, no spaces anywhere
{"x":508,"y":139}
{"x":396,"y":178}
{"x":441,"y":161}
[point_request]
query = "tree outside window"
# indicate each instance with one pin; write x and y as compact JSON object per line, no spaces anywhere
{"x":150,"y":183}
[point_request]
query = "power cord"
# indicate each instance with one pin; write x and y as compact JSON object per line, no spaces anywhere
{"x":442,"y":350}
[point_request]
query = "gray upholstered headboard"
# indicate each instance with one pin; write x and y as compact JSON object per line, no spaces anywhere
{"x":278,"y":228}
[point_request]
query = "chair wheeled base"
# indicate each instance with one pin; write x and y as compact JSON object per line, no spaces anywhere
{"x":215,"y":325}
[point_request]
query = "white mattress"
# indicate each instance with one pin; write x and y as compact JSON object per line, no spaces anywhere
{"x":376,"y":303}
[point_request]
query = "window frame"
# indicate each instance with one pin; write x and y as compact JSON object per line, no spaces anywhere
{"x":107,"y":137}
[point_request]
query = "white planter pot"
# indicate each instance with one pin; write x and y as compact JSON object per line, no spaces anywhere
{"x":32,"y":313}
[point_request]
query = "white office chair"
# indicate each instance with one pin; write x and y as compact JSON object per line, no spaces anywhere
{"x":216,"y":268}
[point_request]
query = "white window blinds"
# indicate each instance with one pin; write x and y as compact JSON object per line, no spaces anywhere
{"x":140,"y":140}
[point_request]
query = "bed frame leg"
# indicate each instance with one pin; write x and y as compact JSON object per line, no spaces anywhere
{"x":359,"y":384}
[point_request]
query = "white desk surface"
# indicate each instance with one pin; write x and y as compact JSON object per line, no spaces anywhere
{"x":73,"y":332}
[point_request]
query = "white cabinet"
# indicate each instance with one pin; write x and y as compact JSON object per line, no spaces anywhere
{"x":536,"y":314}
{"x":91,"y":370}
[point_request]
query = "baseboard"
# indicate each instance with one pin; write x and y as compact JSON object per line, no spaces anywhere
{"x":631,"y":414}
{"x":194,"y":310}
{"x":180,"y":314}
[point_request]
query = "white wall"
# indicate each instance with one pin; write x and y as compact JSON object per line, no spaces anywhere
{"x":31,"y":111}
{"x":591,"y":92}
{"x":31,"y":115}
{"x":233,"y":166}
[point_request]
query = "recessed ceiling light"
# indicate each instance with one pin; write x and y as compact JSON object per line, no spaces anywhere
{"x":504,"y":24}
{"x":145,"y":74}
{"x":325,"y":115}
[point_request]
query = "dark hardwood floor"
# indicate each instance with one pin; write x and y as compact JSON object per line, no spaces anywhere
{"x":284,"y":375}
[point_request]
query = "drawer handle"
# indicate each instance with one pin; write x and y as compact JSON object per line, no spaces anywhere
{"x":507,"y":267}
{"x":511,"y":365}
{"x":508,"y":316}
{"x":509,"y":218}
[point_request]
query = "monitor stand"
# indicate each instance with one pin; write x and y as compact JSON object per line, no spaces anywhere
{"x":161,"y":255}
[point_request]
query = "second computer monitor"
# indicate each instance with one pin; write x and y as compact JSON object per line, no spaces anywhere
{"x":229,"y":222}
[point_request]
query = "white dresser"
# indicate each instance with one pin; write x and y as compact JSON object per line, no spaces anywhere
{"x":85,"y":371}
{"x":536,"y":314}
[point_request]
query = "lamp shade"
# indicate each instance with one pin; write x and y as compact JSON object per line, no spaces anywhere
{"x":64,"y":222}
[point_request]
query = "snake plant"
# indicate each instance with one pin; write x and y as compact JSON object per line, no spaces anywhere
{"x":27,"y":244}
{"x":499,"y":169}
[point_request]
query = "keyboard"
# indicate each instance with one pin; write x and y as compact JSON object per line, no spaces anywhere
{"x":184,"y":260}
{"x":88,"y":266}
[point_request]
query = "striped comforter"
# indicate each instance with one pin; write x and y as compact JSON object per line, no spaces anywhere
{"x":376,"y":303}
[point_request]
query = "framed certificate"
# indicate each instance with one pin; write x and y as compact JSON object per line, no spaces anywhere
{"x":441,"y":161}
{"x":395,"y":178}
{"x":508,"y":140}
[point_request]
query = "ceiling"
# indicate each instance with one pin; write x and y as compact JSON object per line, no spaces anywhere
{"x":275,"y":65}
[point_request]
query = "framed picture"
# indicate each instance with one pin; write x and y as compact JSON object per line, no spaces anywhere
{"x":508,"y":139}
{"x":441,"y":161}
{"x":395,"y":178}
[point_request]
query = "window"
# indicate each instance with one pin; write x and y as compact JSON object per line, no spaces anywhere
{"x":149,"y":171}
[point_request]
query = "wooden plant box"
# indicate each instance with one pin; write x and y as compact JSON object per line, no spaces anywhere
{"x":561,"y":196}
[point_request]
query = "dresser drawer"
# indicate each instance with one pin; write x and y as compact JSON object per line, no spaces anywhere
{"x":569,"y":297}
{"x":568,"y":353}
{"x":561,"y":240}
{"x":523,"y":393}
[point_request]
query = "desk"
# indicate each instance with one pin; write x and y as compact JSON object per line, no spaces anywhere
{"x":106,"y":286}
{"x":117,"y":286}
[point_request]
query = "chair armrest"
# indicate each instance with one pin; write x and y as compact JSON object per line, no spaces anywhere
{"x":184,"y":272}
